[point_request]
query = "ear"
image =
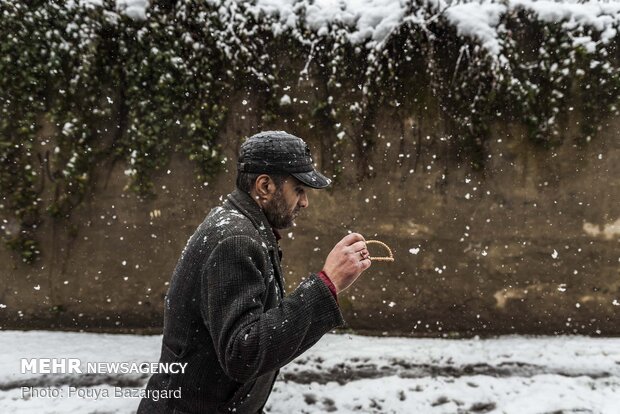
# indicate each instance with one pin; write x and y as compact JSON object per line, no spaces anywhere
{"x":264,"y":187}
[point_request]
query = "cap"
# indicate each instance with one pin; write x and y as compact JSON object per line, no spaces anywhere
{"x":279,"y":152}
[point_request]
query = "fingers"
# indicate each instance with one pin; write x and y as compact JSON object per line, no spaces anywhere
{"x":357,"y":249}
{"x":350,"y":239}
{"x":358,"y":246}
{"x":365,"y":264}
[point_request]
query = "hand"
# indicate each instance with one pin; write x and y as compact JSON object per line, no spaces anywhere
{"x":347,"y":260}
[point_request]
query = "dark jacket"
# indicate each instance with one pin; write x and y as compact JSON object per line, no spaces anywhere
{"x":226,"y":315}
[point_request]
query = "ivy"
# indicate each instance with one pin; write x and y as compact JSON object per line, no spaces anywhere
{"x":83,"y":83}
{"x":109,"y":88}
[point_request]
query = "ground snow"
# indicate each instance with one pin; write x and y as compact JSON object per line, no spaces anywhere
{"x":350,"y":373}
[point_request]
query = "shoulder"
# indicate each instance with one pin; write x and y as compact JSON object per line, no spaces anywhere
{"x":225,"y":223}
{"x":229,"y":222}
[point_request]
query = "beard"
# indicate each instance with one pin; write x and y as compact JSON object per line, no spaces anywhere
{"x":278,"y":213}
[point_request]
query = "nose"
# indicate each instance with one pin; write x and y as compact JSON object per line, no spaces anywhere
{"x":303,"y":200}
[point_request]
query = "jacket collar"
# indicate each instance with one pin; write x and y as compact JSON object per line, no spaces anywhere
{"x":243,"y":202}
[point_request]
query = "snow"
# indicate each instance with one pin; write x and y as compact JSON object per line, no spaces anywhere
{"x":481,"y":21}
{"x":543,"y":394}
{"x":372,"y":21}
{"x":136,"y":9}
{"x":349,"y":374}
{"x":370,"y":18}
{"x":478,"y":21}
{"x":285,"y":100}
{"x":599,"y":14}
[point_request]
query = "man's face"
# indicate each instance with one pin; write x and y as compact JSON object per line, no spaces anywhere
{"x":284,"y":206}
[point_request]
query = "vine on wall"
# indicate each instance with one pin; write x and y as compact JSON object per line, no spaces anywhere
{"x":137,"y":90}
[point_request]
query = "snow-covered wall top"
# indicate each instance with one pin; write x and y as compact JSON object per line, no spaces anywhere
{"x":372,"y":21}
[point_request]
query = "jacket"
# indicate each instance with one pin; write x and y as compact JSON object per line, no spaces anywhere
{"x":226,"y":316}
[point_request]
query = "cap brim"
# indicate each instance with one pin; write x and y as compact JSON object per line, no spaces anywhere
{"x":313,"y":179}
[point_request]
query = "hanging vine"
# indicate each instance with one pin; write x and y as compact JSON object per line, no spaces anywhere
{"x":84,"y":82}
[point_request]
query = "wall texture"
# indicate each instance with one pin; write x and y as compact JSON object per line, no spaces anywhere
{"x":528,"y":244}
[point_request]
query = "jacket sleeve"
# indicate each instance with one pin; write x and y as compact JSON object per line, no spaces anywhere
{"x":250,"y":340}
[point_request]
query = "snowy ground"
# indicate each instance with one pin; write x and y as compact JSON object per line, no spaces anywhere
{"x":349,"y":373}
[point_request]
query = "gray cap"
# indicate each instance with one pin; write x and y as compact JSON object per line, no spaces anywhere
{"x":278,"y":152}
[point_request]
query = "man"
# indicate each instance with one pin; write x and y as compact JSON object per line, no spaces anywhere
{"x":225,"y":312}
